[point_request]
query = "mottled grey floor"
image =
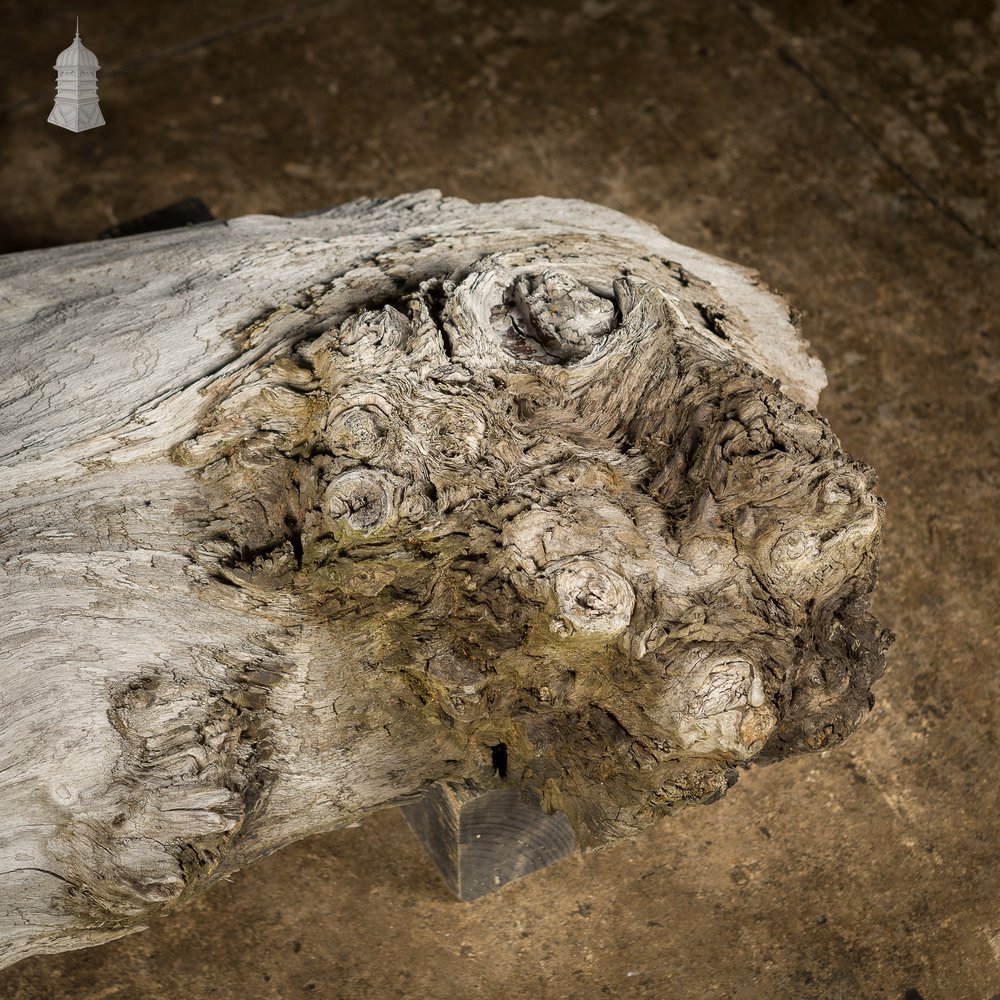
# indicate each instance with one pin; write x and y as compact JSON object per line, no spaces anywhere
{"x":851,"y":152}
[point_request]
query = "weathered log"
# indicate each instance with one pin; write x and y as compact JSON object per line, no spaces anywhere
{"x":300,"y":516}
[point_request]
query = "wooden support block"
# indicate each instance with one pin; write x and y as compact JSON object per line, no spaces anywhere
{"x":479,"y":841}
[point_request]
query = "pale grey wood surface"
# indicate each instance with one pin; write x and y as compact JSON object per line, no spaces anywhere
{"x":270,"y":561}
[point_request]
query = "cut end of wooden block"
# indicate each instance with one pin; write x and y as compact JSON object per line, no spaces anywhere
{"x":481,"y":841}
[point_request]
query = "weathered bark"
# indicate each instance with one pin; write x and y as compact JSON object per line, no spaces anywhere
{"x":302,"y":515}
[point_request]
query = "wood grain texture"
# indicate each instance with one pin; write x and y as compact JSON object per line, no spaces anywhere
{"x":303,"y":515}
{"x":481,"y":841}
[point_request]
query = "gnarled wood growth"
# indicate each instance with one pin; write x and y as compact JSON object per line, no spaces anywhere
{"x":302,"y":515}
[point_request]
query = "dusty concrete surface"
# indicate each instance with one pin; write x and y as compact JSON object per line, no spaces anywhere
{"x":851,"y":152}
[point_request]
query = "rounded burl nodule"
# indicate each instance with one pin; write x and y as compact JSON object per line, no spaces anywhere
{"x":542,"y":498}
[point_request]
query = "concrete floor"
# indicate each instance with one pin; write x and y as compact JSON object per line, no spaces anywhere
{"x":851,"y":152}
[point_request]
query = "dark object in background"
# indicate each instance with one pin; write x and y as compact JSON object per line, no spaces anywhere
{"x":186,"y":212}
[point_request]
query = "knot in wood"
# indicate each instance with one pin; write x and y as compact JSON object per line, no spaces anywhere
{"x":552,"y":318}
{"x":715,"y":701}
{"x":593,"y":599}
{"x":361,"y":431}
{"x":364,"y":499}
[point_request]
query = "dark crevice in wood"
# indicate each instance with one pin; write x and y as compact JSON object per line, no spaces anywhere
{"x":713,"y":319}
{"x":498,"y":756}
